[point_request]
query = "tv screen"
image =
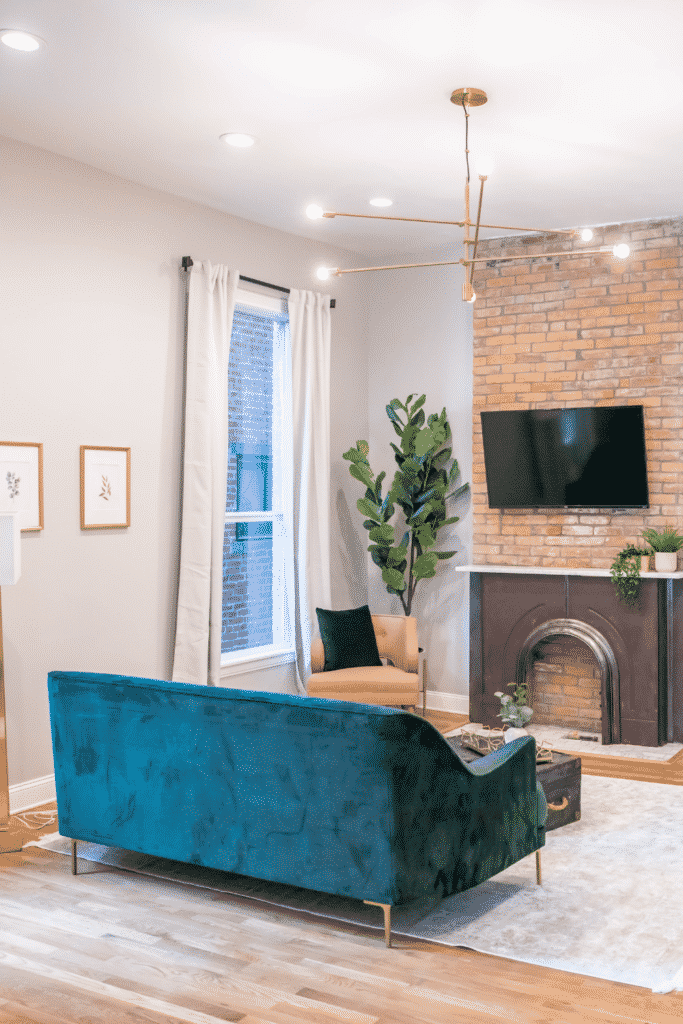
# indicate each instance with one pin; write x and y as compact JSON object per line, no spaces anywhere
{"x":566,"y":458}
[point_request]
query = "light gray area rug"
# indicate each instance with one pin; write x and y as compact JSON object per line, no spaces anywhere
{"x":609,"y":907}
{"x":558,"y":740}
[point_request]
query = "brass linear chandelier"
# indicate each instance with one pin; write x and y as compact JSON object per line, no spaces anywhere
{"x":465,"y":98}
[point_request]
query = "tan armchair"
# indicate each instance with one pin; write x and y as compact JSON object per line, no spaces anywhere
{"x":398,"y":683}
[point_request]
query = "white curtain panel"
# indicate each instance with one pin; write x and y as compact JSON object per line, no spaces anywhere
{"x":309,"y":322}
{"x":210,"y":307}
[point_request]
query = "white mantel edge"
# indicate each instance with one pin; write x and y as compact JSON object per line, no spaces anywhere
{"x":552,"y":570}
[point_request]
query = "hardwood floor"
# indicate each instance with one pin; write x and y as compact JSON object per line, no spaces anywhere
{"x":105,"y":946}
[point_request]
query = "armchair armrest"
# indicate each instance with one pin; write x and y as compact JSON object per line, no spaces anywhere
{"x":397,"y":640}
{"x":317,"y":655}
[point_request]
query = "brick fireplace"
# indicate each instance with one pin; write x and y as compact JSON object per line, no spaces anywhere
{"x":514,"y":611}
{"x":564,"y":332}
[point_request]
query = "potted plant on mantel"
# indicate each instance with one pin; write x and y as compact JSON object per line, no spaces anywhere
{"x":419,"y":488}
{"x":665,"y":546}
{"x":625,"y":572}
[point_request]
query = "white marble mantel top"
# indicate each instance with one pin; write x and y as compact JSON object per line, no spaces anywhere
{"x":551,"y":570}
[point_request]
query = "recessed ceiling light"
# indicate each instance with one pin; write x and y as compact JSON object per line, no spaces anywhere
{"x":20,"y":40}
{"x":238,"y":140}
{"x":381,"y":202}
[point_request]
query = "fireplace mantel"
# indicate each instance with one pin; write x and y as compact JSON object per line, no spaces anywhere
{"x":547,"y":570}
{"x":642,"y":690}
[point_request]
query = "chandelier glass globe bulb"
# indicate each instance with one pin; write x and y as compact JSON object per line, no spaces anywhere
{"x":483,"y":166}
{"x":621,"y":251}
{"x":586,"y":234}
{"x":323,"y":273}
{"x":314,"y":212}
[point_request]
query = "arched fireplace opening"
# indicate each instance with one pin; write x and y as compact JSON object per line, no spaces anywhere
{"x":565,"y":686}
{"x":575,"y":685}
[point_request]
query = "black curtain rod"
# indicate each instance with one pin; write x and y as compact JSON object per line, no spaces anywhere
{"x":187,"y":263}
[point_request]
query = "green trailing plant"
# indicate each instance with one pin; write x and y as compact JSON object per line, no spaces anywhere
{"x":667,"y":540}
{"x":515,"y":711}
{"x":420,"y":489}
{"x":625,"y":573}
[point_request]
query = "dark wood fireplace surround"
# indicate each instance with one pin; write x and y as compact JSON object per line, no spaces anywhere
{"x":642,"y":685}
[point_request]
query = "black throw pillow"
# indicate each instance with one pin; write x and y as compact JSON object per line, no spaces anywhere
{"x":348,"y":638}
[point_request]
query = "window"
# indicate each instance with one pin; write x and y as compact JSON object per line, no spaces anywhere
{"x":257,"y":546}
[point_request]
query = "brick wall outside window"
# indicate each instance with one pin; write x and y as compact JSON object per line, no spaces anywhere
{"x":561,"y":332}
{"x":248,"y":564}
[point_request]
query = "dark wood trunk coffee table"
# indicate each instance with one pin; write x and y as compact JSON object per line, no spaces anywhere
{"x":560,"y":779}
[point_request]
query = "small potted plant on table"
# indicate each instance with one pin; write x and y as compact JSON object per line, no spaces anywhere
{"x":666,"y":546}
{"x":514,"y":711}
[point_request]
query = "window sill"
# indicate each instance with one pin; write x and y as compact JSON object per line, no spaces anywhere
{"x":241,"y":663}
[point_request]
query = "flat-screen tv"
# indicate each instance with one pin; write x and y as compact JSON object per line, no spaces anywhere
{"x":566,"y":458}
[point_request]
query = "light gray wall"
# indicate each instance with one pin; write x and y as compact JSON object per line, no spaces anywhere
{"x":91,"y":346}
{"x":420,"y":341}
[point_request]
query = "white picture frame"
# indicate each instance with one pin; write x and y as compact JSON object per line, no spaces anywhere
{"x":21,"y":482}
{"x":105,"y":487}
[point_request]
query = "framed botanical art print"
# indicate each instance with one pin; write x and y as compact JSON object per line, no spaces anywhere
{"x":21,"y":482}
{"x":105,"y":487}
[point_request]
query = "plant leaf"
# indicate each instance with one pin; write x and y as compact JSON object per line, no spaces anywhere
{"x":460,"y":490}
{"x":369,"y":509}
{"x":393,"y":578}
{"x":362,"y":473}
{"x":449,"y":522}
{"x":423,"y":567}
{"x":383,"y":535}
{"x":424,"y":441}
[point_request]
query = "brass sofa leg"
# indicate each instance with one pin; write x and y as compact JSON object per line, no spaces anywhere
{"x":74,"y":865}
{"x":386,"y":907}
{"x":538,"y":867}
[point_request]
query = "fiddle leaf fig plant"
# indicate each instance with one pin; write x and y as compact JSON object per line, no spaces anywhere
{"x":419,"y":489}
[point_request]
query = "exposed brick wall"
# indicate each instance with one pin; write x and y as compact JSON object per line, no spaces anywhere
{"x":565,"y":685}
{"x":575,"y":332}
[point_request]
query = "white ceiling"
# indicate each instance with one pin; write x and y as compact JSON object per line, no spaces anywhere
{"x":351,"y":100}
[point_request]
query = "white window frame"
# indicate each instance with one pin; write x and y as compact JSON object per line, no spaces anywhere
{"x":281,"y":651}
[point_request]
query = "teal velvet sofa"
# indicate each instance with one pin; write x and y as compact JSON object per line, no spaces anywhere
{"x":362,"y":801}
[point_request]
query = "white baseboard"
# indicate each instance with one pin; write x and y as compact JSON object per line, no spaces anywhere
{"x":456,"y":703}
{"x":25,"y":795}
